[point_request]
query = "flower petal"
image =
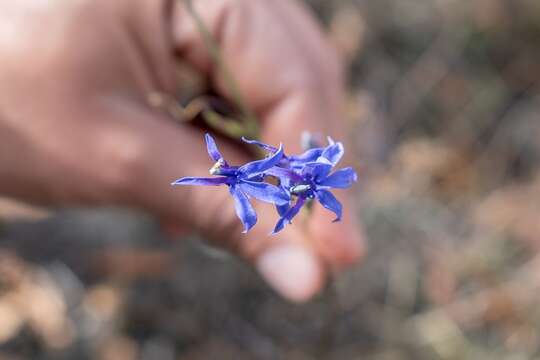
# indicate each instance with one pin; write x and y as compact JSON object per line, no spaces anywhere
{"x":333,"y":153}
{"x":310,"y":155}
{"x":213,"y":149}
{"x":244,"y":210}
{"x":265,"y":192}
{"x":259,"y":166}
{"x":280,"y":225}
{"x":289,"y":215}
{"x":341,"y":179}
{"x":330,"y":202}
{"x":271,"y":149}
{"x":330,"y":140}
{"x":216,"y":181}
{"x":282,"y":209}
{"x":295,"y":209}
{"x":285,"y":176}
{"x":318,"y":170}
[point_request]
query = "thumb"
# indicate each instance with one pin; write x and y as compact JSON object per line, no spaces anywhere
{"x":288,"y":261}
{"x":297,"y":260}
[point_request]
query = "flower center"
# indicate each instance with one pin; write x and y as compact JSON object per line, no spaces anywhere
{"x":216,"y":169}
{"x":304,"y":190}
{"x":220,"y":169}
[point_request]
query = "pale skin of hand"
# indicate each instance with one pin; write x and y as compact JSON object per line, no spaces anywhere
{"x":76,"y":129}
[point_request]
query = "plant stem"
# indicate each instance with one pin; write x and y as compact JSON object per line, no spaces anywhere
{"x":248,"y":118}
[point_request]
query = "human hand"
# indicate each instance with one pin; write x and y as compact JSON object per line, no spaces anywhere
{"x":76,"y":128}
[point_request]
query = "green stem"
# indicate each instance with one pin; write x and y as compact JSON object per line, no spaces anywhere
{"x":248,"y":116}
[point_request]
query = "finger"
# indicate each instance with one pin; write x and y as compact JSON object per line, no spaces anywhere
{"x":297,"y":260}
{"x":287,"y":260}
{"x":341,"y":244}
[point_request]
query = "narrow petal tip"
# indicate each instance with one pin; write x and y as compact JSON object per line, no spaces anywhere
{"x":212,"y":148}
{"x":177,"y":182}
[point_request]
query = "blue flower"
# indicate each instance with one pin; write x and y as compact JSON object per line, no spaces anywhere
{"x":313,"y":180}
{"x":244,"y":182}
{"x":301,"y":178}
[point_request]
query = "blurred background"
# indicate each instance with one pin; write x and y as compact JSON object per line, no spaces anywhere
{"x":444,"y":100}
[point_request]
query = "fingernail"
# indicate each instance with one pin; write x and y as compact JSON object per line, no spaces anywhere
{"x":292,"y":270}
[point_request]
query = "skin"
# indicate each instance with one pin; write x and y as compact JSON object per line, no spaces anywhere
{"x":76,"y":128}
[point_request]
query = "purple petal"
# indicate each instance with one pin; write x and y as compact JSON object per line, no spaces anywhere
{"x":280,"y":225}
{"x":285,"y":176}
{"x":318,"y":170}
{"x":330,"y":140}
{"x":271,"y":149}
{"x":289,"y":215}
{"x":341,"y":179}
{"x":330,"y":202}
{"x":216,"y":181}
{"x":333,"y":152}
{"x":295,"y":209}
{"x":309,"y":156}
{"x":265,"y":192}
{"x":244,"y":210}
{"x":213,"y":149}
{"x":282,"y":209}
{"x":259,"y":166}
